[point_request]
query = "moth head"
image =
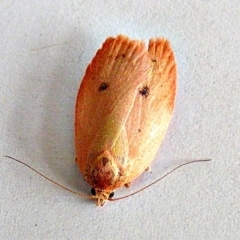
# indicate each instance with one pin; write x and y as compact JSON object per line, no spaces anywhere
{"x":101,"y":196}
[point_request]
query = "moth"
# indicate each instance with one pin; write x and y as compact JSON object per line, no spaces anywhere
{"x":123,"y":109}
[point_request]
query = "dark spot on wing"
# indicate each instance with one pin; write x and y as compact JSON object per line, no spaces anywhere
{"x":144,"y":91}
{"x":103,"y":86}
{"x":120,"y":55}
{"x":105,"y":161}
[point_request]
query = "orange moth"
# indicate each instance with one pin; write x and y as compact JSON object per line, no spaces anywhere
{"x":123,"y":109}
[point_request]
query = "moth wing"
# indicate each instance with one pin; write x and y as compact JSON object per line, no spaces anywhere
{"x":106,"y":95}
{"x":153,"y":107}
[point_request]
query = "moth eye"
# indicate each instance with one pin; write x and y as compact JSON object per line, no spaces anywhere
{"x":111,"y":194}
{"x":93,"y":191}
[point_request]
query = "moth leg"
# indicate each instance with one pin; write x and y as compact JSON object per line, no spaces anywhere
{"x":148,"y":169}
{"x":127,"y":185}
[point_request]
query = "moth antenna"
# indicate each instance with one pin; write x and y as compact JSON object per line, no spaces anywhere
{"x":48,"y":46}
{"x":52,"y":181}
{"x":165,"y":175}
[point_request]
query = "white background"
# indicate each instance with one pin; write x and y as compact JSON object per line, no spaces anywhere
{"x":45,"y":47}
